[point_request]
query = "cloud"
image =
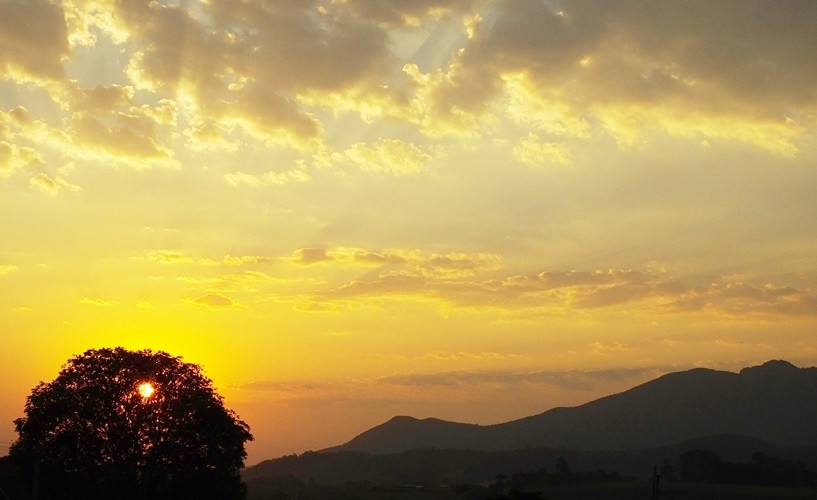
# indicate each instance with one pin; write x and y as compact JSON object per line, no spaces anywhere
{"x":6,"y":152}
{"x":168,"y":257}
{"x":6,"y":269}
{"x":367,"y":388}
{"x":176,"y":257}
{"x":310,"y":256}
{"x":409,"y":262}
{"x":531,"y":150}
{"x":14,"y":158}
{"x":570,"y":380}
{"x":634,"y":68}
{"x":34,"y":41}
{"x":239,"y":71}
{"x":243,"y":260}
{"x":650,"y":289}
{"x":271,"y":178}
{"x":350,"y":255}
{"x":45,"y":184}
{"x":97,"y":302}
{"x":609,"y":348}
{"x":583,"y":289}
{"x":243,"y":63}
{"x":407,"y":13}
{"x":123,"y":135}
{"x":388,"y":156}
{"x":101,"y":98}
{"x":215,"y":302}
{"x":738,"y":298}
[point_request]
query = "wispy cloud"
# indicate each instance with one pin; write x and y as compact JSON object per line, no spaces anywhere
{"x":582,"y":380}
{"x":97,"y":302}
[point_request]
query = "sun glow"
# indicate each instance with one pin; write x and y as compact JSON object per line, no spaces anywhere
{"x":146,"y":390}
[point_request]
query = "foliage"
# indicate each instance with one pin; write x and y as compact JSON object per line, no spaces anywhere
{"x":705,"y":466}
{"x":91,"y":434}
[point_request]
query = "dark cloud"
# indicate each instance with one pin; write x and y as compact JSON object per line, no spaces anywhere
{"x":247,"y":60}
{"x":406,"y":12}
{"x":33,"y":39}
{"x":729,"y":58}
{"x":121,"y":134}
{"x":215,"y":301}
{"x":311,"y":256}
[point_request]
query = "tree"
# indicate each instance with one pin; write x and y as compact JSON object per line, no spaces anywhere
{"x":700,"y":466}
{"x":131,"y":424}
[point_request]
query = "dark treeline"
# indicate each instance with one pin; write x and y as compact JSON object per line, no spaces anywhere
{"x":519,"y":485}
{"x":471,"y":475}
{"x":705,"y":466}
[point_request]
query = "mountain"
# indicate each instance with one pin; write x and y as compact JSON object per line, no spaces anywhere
{"x":775,"y":402}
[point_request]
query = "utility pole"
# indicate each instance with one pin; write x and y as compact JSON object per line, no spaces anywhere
{"x":656,"y":479}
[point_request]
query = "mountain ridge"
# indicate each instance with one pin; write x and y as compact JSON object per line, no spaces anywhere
{"x":775,"y":402}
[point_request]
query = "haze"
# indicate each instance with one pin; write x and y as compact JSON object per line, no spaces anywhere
{"x":346,"y":210}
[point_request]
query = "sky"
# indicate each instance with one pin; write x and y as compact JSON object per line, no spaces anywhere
{"x":347,"y":210}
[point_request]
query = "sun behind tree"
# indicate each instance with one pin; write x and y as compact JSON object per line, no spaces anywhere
{"x":131,"y":425}
{"x":146,"y":390}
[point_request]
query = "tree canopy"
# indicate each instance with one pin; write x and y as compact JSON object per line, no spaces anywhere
{"x":131,"y":424}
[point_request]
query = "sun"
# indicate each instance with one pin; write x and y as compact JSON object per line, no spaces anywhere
{"x":146,"y":390}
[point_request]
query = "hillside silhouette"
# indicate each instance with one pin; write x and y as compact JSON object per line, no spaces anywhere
{"x":775,"y":402}
{"x":452,"y":466}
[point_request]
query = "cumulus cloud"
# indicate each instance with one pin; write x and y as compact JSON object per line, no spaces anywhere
{"x":6,"y":152}
{"x":14,"y":157}
{"x":243,"y":62}
{"x":34,"y":41}
{"x":229,"y":72}
{"x":123,"y":135}
{"x":635,"y":66}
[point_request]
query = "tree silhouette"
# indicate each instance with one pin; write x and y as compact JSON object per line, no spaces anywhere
{"x":562,"y":467}
{"x":131,"y":424}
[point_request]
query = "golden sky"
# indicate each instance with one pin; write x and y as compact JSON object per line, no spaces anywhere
{"x":346,"y":210}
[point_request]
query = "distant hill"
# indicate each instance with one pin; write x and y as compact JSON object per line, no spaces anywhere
{"x":775,"y":403}
{"x":452,"y":466}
